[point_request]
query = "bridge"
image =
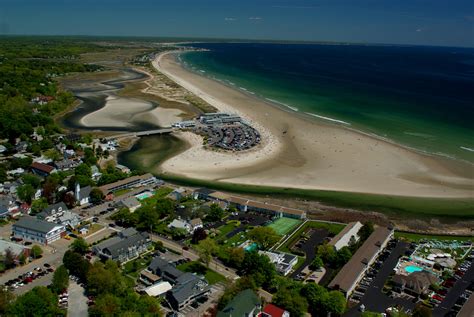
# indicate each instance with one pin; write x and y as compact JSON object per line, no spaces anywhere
{"x":140,"y":133}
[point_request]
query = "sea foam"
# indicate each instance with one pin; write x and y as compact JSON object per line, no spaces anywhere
{"x":327,"y":118}
{"x":282,"y":104}
{"x":467,"y":148}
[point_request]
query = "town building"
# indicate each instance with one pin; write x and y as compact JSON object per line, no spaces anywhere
{"x":52,"y":212}
{"x":178,"y":194}
{"x":343,"y":238}
{"x":8,"y":206}
{"x":415,"y":283}
{"x":66,"y":164}
{"x":131,"y":182}
{"x":351,"y":274}
{"x":271,"y":310}
{"x":122,"y":168}
{"x":17,"y":249}
{"x":180,"y":224}
{"x":82,"y":195}
{"x":202,"y":193}
{"x":37,"y":230}
{"x":127,"y":245}
{"x":196,"y":223}
{"x":245,"y":303}
{"x":187,"y":287}
{"x":42,"y":169}
{"x":129,"y":202}
{"x":283,"y":262}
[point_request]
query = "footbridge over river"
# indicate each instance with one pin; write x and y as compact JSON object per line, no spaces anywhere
{"x":140,"y":133}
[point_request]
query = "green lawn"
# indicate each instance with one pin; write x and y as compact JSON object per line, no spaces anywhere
{"x":284,"y":225}
{"x":134,"y":267}
{"x":224,"y":230}
{"x":415,"y":237}
{"x":211,"y":276}
{"x":397,"y":206}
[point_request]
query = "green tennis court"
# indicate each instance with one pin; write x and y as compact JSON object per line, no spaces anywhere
{"x":284,"y":225}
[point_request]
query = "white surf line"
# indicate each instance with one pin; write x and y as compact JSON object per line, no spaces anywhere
{"x":327,"y":118}
{"x":467,"y":148}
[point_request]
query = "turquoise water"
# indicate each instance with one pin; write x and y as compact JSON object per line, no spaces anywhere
{"x":251,"y":247}
{"x":421,"y":97}
{"x":413,"y":268}
{"x":144,"y":195}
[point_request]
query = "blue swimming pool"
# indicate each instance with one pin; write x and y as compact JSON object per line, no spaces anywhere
{"x":251,"y":247}
{"x":144,"y":195}
{"x":413,"y":268}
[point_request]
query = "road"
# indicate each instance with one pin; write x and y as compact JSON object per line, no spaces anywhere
{"x":220,"y":268}
{"x":77,"y":303}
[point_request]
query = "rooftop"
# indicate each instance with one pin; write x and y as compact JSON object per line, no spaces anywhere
{"x":241,"y":305}
{"x":32,"y":223}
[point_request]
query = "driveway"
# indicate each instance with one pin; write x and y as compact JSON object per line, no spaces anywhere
{"x":374,"y":299}
{"x":77,"y":304}
{"x":309,"y":248}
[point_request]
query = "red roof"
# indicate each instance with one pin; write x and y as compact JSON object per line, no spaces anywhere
{"x":273,"y":310}
{"x":42,"y":167}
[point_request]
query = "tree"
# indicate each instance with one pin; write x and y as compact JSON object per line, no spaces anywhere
{"x":38,"y":205}
{"x":76,"y":264}
{"x":80,"y":246}
{"x":6,"y":299}
{"x":9,"y":259}
{"x":327,"y":253}
{"x":40,"y":301}
{"x":26,"y":193}
{"x":60,"y":280}
{"x":52,"y":154}
{"x":316,"y":264}
{"x":165,"y":207}
{"x":36,"y":251}
{"x":259,"y":267}
{"x":343,"y":255}
{"x":32,"y":180}
{"x":421,"y":311}
{"x":148,"y":218}
{"x":106,"y":305}
{"x":265,"y":237}
{"x":198,"y":235}
{"x":292,"y":301}
{"x":315,"y":295}
{"x":236,"y":257}
{"x":96,"y":195}
{"x":366,"y":230}
{"x":335,"y":303}
{"x":215,"y":213}
{"x":206,"y":248}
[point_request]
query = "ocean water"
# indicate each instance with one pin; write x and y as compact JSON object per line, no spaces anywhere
{"x":421,"y":97}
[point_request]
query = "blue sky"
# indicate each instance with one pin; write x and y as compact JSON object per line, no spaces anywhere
{"x":426,"y":22}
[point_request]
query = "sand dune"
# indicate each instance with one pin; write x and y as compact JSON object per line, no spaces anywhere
{"x":301,"y":152}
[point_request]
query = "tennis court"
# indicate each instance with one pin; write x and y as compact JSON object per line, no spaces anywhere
{"x":284,"y":225}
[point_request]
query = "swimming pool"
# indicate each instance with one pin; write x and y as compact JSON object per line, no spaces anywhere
{"x":143,"y":195}
{"x":413,"y":268}
{"x":251,"y":247}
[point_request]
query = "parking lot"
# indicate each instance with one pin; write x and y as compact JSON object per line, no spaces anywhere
{"x":369,"y":292}
{"x":458,"y":289}
{"x":308,"y":246}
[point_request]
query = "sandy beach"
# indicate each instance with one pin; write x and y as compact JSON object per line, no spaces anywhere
{"x":306,"y":153}
{"x":122,"y":112}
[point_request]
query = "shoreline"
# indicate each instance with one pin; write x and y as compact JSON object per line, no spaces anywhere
{"x":413,"y":174}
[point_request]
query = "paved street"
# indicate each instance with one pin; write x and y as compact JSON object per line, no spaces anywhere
{"x":77,"y":304}
{"x":309,"y":248}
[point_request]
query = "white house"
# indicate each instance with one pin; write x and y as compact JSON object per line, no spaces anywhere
{"x":36,"y":230}
{"x":180,"y":224}
{"x":82,"y":194}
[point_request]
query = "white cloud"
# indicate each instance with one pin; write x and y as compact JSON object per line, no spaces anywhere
{"x":255,"y":18}
{"x":230,"y":19}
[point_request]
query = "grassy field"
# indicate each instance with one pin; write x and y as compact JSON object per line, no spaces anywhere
{"x":284,"y":225}
{"x":134,"y":267}
{"x":415,"y":237}
{"x":211,"y":276}
{"x":397,"y":206}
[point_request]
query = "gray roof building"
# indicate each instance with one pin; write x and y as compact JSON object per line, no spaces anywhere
{"x":52,"y":210}
{"x":38,"y":225}
{"x":127,"y":245}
